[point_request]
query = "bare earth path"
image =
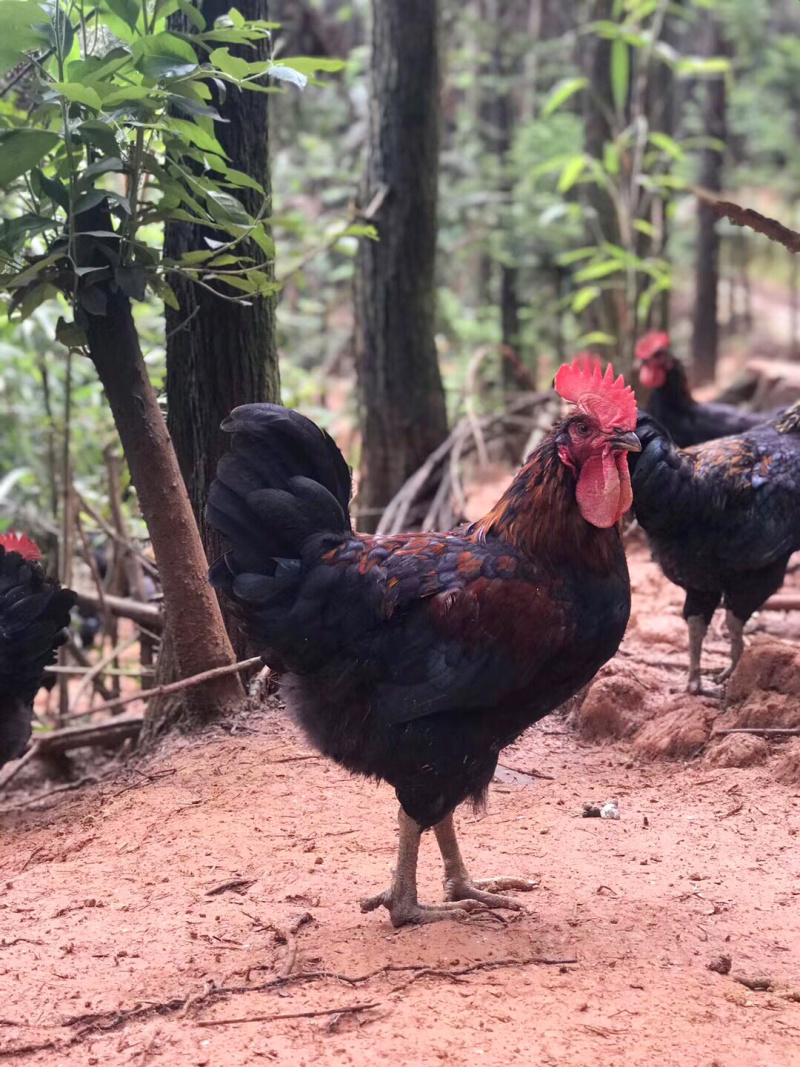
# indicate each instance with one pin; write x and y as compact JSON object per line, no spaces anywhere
{"x":106,"y":906}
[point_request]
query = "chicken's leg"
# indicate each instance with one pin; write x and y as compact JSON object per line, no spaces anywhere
{"x":736,"y":634}
{"x":401,"y":898}
{"x":458,"y":885}
{"x":697,"y":632}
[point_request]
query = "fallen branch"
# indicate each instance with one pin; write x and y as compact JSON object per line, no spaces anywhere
{"x":764,"y":731}
{"x":107,"y":1021}
{"x":347,"y":1010}
{"x":785,"y":602}
{"x":68,"y":788}
{"x":96,"y":670}
{"x":176,"y":687}
{"x":124,"y":608}
{"x":102,"y":734}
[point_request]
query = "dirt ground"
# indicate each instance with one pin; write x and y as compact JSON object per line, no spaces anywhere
{"x":146,"y":918}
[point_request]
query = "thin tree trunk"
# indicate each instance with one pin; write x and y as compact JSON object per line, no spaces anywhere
{"x":705,"y":338}
{"x":403,"y":412}
{"x":607,"y":313}
{"x":220,"y":354}
{"x":199,"y":638}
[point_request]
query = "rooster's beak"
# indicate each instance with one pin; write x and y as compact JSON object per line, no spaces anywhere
{"x":625,"y":442}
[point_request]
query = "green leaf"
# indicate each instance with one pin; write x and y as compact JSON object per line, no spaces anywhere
{"x":263,"y":240}
{"x":20,"y":150}
{"x":56,"y":190}
{"x":311,"y":64}
{"x":127,"y":10}
{"x":228,"y":64}
{"x":611,"y":158}
{"x":70,"y":334}
{"x":576,"y":255}
{"x":196,"y":19}
{"x":598,"y":270}
{"x":17,"y":36}
{"x":595,"y":337}
{"x":288,"y":74}
{"x":571,"y":172}
{"x":360,"y":229}
{"x":647,"y":228}
{"x":14,"y":232}
{"x":226,"y":208}
{"x":99,"y":135}
{"x":131,"y":94}
{"x":584,"y":297}
{"x":702,"y":66}
{"x":242,"y":180}
{"x":561,"y":92}
{"x":667,"y":144}
{"x":620,"y":74}
{"x":164,"y":56}
{"x":78,"y":94}
{"x":165,"y":291}
{"x":190,"y":131}
{"x":103,"y":166}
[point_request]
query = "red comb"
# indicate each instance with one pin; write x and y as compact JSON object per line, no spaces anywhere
{"x":14,"y":542}
{"x":650,"y":343}
{"x":611,"y":402}
{"x":587,"y":361}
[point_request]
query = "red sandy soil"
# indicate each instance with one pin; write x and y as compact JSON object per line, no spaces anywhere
{"x":116,"y":926}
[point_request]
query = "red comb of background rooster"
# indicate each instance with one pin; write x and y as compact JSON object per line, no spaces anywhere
{"x":587,"y":361}
{"x":14,"y":542}
{"x":650,"y":343}
{"x":611,"y":402}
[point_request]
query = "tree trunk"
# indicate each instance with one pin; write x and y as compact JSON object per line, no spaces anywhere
{"x":705,"y":338}
{"x":607,"y":313}
{"x":504,"y":22}
{"x":199,"y":638}
{"x":403,"y":414}
{"x":220,"y":354}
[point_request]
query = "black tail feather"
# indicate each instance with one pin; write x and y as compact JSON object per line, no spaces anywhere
{"x":283,"y":483}
{"x":34,"y":614}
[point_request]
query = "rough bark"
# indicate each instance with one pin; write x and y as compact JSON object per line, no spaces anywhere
{"x":200,"y":640}
{"x":505,"y":22}
{"x":403,"y":414}
{"x":608,"y":312}
{"x":219,"y":354}
{"x":705,"y":336}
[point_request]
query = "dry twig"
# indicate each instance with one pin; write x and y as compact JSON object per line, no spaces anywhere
{"x":347,"y":1010}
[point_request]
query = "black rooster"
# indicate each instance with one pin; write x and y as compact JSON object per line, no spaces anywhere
{"x":688,"y":421}
{"x":722,"y":519}
{"x":34,"y":614}
{"x":416,"y":658}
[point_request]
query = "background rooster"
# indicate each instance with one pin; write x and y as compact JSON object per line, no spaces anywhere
{"x":722,"y":519}
{"x":416,"y":658}
{"x":688,"y":421}
{"x":34,"y":613}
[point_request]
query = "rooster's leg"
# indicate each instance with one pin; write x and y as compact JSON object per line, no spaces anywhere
{"x":697,"y":632}
{"x":736,"y":634}
{"x":458,"y":885}
{"x":401,"y":898}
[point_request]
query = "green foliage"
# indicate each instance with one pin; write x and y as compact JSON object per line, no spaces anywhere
{"x":124,"y":113}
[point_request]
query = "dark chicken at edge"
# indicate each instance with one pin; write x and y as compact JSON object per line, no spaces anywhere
{"x":688,"y":421}
{"x":34,"y":614}
{"x":416,"y":658}
{"x":722,"y":519}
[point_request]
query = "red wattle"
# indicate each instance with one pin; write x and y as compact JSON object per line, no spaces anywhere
{"x":652,"y":377}
{"x":604,"y":488}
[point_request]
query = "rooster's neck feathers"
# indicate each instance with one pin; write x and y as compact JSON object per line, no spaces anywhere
{"x":539,"y":515}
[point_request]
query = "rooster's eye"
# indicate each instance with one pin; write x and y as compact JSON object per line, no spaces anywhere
{"x":582,"y":429}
